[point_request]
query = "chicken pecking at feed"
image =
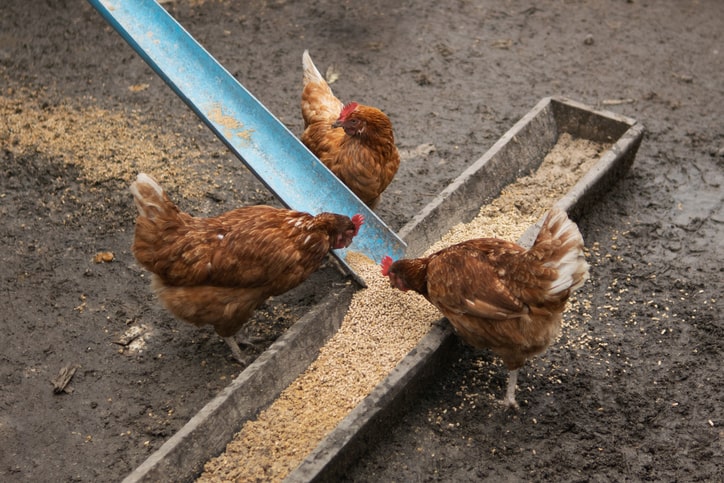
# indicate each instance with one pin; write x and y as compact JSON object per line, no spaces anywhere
{"x":216,"y":271}
{"x":354,"y":141}
{"x":498,"y":295}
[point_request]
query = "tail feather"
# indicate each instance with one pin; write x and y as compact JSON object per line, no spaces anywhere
{"x":311,"y":73}
{"x":154,"y":232}
{"x":567,"y":257}
{"x":149,"y":197}
{"x":319,"y":104}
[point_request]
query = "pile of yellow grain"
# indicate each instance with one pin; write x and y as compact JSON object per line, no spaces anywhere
{"x":381,"y":326}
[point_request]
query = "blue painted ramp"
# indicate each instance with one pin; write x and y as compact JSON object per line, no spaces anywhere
{"x":260,"y":141}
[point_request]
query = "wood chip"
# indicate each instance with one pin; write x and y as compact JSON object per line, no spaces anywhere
{"x":131,"y":334}
{"x":61,"y":381}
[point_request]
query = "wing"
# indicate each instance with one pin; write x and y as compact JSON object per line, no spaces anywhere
{"x":249,"y":247}
{"x":479,"y":278}
{"x":319,"y":104}
{"x":324,"y":141}
{"x":361,"y":170}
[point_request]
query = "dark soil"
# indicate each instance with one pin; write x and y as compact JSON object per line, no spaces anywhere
{"x":645,"y":404}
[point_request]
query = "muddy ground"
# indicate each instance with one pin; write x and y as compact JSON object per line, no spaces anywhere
{"x":81,"y":114}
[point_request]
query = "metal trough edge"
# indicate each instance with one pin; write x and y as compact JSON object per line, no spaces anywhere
{"x":368,"y":421}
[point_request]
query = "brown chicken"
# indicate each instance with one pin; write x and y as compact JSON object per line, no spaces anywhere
{"x":217,"y":270}
{"x":355,"y":142}
{"x":498,"y":295}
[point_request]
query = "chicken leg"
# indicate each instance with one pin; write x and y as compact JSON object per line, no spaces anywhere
{"x":509,"y":400}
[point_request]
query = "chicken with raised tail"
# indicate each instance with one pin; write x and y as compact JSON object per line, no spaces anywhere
{"x":354,"y":141}
{"x":498,"y":295}
{"x":218,"y":270}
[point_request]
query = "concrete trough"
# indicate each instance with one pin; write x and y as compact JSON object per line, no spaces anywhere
{"x":519,"y":152}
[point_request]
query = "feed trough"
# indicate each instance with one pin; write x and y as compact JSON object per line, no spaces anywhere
{"x":518,"y":152}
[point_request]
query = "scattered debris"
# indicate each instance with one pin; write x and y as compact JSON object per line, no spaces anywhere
{"x":421,"y":150}
{"x":331,"y":75}
{"x":502,"y":44}
{"x":80,"y":308}
{"x":617,"y":102}
{"x":131,"y":334}
{"x":138,"y":87}
{"x":60,"y":383}
{"x":103,"y":257}
{"x":685,"y":78}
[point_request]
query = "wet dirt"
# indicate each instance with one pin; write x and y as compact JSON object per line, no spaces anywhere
{"x":81,"y":113}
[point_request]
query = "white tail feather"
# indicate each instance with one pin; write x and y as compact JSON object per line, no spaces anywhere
{"x":571,"y":266}
{"x":147,"y":203}
{"x":572,"y":272}
{"x":311,"y":73}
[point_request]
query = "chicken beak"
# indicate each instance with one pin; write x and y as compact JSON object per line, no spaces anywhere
{"x":337,"y":124}
{"x":343,"y":241}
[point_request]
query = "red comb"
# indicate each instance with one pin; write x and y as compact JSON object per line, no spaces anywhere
{"x":386,"y":264}
{"x":347,"y":110}
{"x":358,"y":221}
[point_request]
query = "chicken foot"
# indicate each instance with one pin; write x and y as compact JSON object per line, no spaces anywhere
{"x":235,"y":350}
{"x":245,"y":341}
